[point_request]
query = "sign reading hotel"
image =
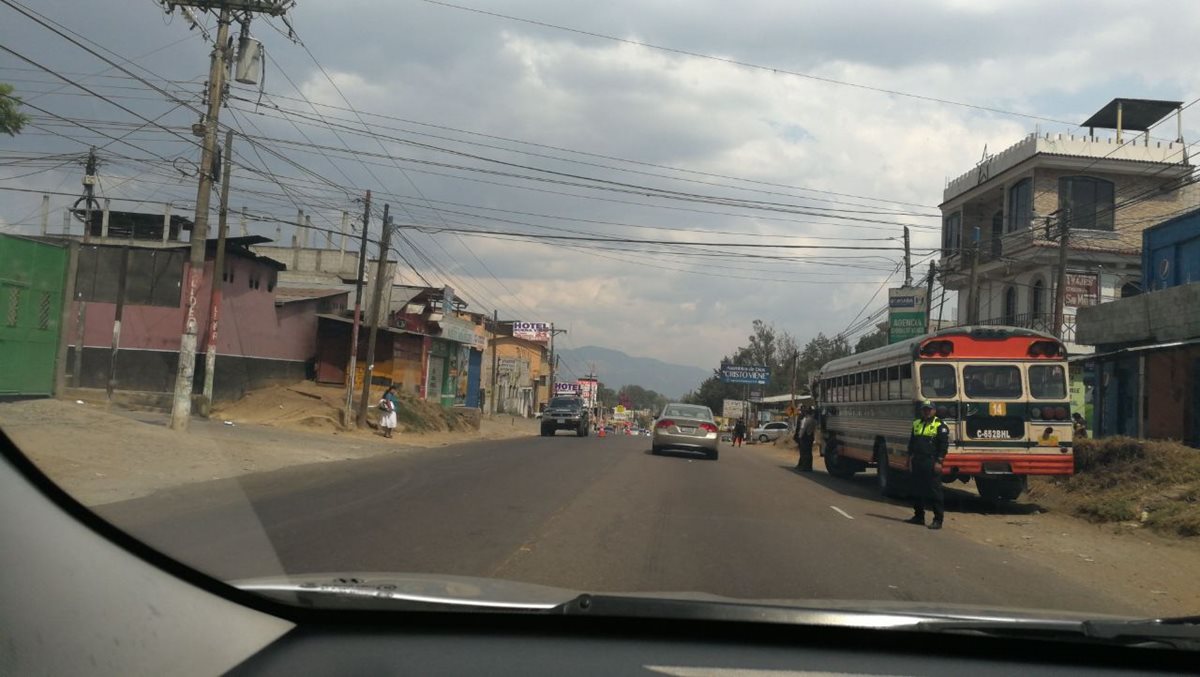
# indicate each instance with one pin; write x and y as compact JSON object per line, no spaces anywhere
{"x":538,"y":332}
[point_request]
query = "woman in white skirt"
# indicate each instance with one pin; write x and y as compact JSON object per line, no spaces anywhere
{"x":387,"y":411}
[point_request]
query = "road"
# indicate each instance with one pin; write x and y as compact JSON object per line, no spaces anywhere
{"x":599,"y":515}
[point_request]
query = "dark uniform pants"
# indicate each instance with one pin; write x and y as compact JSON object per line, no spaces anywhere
{"x":806,"y":453}
{"x":927,"y":487}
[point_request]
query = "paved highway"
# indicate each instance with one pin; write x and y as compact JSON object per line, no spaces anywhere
{"x":590,"y":514}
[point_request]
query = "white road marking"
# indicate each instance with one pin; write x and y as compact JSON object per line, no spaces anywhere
{"x":841,"y":512}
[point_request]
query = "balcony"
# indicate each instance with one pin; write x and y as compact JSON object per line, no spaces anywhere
{"x":1106,"y":149}
{"x":1043,"y":322}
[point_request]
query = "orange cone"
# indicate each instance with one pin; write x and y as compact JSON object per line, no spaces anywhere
{"x":602,"y":431}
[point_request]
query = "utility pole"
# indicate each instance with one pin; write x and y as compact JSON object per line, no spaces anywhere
{"x":89,"y":184}
{"x":181,"y":409}
{"x":495,"y":360}
{"x":973,"y":286}
{"x":1060,"y":291}
{"x":795,"y":359}
{"x":929,"y":297}
{"x":358,"y":283}
{"x":122,"y":276}
{"x":553,"y":332}
{"x":214,"y":302}
{"x":907,"y":260}
{"x":376,"y":301}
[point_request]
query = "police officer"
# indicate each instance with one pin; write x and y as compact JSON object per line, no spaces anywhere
{"x":927,"y":446}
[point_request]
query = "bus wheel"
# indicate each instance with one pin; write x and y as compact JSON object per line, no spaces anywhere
{"x":889,"y":479}
{"x":996,"y":489}
{"x":836,"y":465}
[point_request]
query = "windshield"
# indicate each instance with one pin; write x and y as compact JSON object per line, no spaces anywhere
{"x":684,"y":411}
{"x":1047,"y":382}
{"x":415,"y":288}
{"x":1003,"y":381}
{"x":938,"y":380}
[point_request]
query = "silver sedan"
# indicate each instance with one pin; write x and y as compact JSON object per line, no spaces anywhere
{"x":685,"y":426}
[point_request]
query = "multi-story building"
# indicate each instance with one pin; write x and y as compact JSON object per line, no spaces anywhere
{"x":1001,"y":219}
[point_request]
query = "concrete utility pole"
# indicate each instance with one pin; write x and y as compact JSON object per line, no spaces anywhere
{"x":376,"y":302}
{"x":181,"y":409}
{"x":907,"y":260}
{"x":553,"y":332}
{"x":214,"y":304}
{"x":358,"y":284}
{"x":1060,"y":290}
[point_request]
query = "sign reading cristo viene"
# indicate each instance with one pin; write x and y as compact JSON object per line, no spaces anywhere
{"x":532,"y":331}
{"x":754,"y":375}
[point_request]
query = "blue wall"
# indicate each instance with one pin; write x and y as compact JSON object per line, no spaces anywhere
{"x":474,"y":366}
{"x":1171,"y":253}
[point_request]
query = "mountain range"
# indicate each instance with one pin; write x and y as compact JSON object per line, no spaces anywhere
{"x":615,"y":369}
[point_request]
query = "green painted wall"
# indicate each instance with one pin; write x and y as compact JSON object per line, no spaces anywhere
{"x":32,"y":275}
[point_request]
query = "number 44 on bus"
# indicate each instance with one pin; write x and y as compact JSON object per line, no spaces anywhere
{"x":1001,"y":391}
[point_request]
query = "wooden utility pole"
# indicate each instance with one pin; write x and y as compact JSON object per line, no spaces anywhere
{"x":122,"y":276}
{"x":907,"y":260}
{"x":1060,"y":290}
{"x":929,"y":298}
{"x":376,"y":302}
{"x":89,"y":183}
{"x":181,"y":409}
{"x":495,"y":359}
{"x":214,"y":303}
{"x":352,"y":370}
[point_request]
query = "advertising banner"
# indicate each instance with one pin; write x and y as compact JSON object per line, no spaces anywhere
{"x":587,"y":390}
{"x":458,"y":330}
{"x":1083,"y":289}
{"x":567,"y":389}
{"x":907,"y":313}
{"x":733,"y":409}
{"x":753,"y":375}
{"x":538,"y":332}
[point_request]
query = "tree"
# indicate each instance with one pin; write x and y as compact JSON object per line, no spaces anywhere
{"x":876,"y":339}
{"x":11,"y":118}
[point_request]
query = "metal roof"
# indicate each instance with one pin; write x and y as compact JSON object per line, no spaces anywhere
{"x":1136,"y":114}
{"x":293,"y":294}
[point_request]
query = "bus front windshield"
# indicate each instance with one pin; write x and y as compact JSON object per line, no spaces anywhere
{"x":938,"y":380}
{"x":1047,"y":382}
{"x":992,"y":380}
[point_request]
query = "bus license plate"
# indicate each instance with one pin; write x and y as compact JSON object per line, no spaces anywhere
{"x":992,"y":435}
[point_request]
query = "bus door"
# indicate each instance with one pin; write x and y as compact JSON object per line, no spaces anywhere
{"x":939,"y":383}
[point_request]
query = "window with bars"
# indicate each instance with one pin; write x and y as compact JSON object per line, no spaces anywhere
{"x":14,"y":306}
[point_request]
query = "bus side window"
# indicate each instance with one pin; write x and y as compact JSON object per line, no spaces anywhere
{"x":893,"y":383}
{"x":858,"y":387}
{"x":906,"y":389}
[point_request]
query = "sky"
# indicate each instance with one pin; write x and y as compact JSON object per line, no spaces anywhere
{"x":785,"y":124}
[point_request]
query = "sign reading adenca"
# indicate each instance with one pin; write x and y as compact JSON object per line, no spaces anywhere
{"x":532,"y":331}
{"x":754,"y":375}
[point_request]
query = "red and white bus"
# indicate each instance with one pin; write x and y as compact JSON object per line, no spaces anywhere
{"x":1002,"y":391}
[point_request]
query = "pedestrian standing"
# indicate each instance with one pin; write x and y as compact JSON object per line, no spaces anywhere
{"x":927,"y":447}
{"x":806,"y":432}
{"x":1078,"y":426}
{"x":739,"y":433}
{"x":387,"y":411}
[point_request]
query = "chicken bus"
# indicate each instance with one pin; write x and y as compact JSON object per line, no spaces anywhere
{"x":1002,"y":392}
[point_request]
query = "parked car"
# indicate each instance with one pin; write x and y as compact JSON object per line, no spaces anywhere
{"x":685,"y":426}
{"x":769,"y":432}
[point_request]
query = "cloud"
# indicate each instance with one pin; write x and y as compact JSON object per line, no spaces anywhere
{"x":451,"y":70}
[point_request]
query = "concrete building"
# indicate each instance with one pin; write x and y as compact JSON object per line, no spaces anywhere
{"x":1144,"y":379}
{"x":522,"y":375}
{"x":1001,"y":218}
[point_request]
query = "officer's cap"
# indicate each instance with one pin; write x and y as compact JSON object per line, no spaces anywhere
{"x":926,"y":404}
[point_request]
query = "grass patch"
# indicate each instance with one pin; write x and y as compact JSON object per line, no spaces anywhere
{"x":1121,"y":479}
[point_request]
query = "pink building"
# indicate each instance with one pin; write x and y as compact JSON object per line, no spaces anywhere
{"x":266,"y":334}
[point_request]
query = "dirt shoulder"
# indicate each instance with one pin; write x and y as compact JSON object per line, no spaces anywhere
{"x":101,"y":456}
{"x":1130,"y":562}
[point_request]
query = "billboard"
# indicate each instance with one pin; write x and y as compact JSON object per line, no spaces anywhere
{"x":538,"y":332}
{"x":1082,"y":289}
{"x":733,"y":409}
{"x":567,"y":389}
{"x":907,"y":313}
{"x":753,"y":375}
{"x":588,"y":389}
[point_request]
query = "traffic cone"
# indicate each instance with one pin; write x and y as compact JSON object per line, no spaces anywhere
{"x":601,"y":431}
